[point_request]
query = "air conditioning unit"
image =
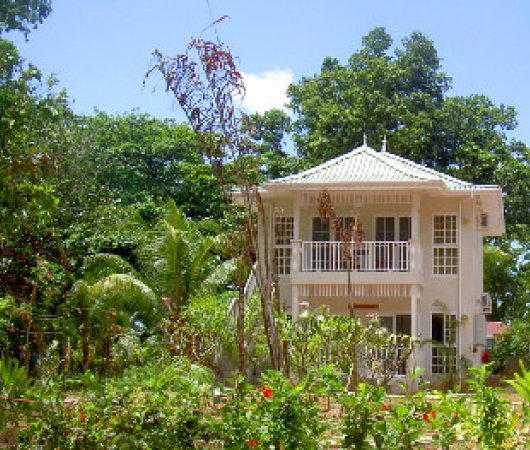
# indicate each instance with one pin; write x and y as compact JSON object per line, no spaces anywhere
{"x":485,"y":303}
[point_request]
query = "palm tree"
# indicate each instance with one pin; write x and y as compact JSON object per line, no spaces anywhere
{"x":110,"y":295}
{"x":181,"y":258}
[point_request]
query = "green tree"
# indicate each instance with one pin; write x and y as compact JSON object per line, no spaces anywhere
{"x":270,"y":132}
{"x":22,"y":14}
{"x":403,"y":94}
{"x":502,"y":280}
{"x":179,"y":258}
{"x":118,"y":168}
{"x":110,"y":296}
{"x":134,"y":157}
{"x":34,"y":122}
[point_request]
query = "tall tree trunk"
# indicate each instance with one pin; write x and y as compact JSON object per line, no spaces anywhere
{"x":264,"y":275}
{"x":240,"y":331}
{"x":272,"y":332}
{"x":85,"y":338}
{"x":353,"y":377}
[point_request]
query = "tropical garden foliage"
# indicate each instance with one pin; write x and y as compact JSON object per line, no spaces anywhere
{"x":124,"y":321}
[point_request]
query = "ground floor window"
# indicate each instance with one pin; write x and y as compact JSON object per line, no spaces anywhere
{"x":443,"y":333}
{"x":282,"y":260}
{"x":283,"y":233}
{"x":399,"y":324}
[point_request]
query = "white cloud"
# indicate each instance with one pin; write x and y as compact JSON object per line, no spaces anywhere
{"x":266,"y":90}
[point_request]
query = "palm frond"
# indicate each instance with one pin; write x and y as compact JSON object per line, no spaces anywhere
{"x":200,"y":262}
{"x":175,"y":217}
{"x":101,"y":265}
{"x":124,"y":293}
{"x":521,"y":383}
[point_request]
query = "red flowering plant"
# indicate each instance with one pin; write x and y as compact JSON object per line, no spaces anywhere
{"x":429,"y":415}
{"x":267,"y":392}
{"x":288,"y":413}
{"x":401,"y":425}
{"x":82,"y":415}
{"x":239,"y":420}
{"x":445,"y":416}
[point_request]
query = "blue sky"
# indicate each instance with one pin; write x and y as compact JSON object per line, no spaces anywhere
{"x":100,"y":49}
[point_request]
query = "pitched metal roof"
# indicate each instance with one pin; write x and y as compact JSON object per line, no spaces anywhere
{"x":365,"y":165}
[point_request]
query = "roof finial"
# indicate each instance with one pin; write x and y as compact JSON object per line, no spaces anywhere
{"x":365,"y":140}
{"x":383,"y":148}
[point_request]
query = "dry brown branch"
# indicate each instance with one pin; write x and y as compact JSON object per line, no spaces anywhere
{"x":205,"y":81}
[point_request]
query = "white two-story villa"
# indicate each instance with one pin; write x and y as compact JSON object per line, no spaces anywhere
{"x":419,"y":265}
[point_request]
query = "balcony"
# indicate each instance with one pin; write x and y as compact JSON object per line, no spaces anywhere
{"x":368,"y":256}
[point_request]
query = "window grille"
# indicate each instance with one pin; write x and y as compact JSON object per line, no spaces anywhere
{"x":445,"y":245}
{"x":283,"y":233}
{"x":443,"y":357}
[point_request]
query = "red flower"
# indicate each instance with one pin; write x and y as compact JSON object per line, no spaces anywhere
{"x":384,"y":407}
{"x":82,"y":416}
{"x":267,"y":392}
{"x":428,"y":415}
{"x":252,"y":442}
{"x":485,"y":357}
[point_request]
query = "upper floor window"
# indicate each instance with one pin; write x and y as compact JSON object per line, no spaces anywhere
{"x":326,"y":230}
{"x":283,"y":230}
{"x":444,"y":229}
{"x":445,"y":245}
{"x":392,"y":228}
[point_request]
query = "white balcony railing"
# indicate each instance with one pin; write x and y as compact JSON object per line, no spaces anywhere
{"x":368,"y":256}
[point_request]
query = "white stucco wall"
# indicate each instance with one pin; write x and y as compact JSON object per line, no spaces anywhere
{"x":437,"y":293}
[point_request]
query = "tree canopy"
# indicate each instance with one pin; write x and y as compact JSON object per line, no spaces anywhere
{"x":21,"y":15}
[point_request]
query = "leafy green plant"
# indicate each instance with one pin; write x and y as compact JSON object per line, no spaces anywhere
{"x":521,"y":383}
{"x":239,"y":424}
{"x":492,"y":422}
{"x":14,"y":379}
{"x":511,"y":344}
{"x":446,"y":418}
{"x":166,"y":407}
{"x":288,"y":413}
{"x":362,"y":409}
{"x":7,"y":316}
{"x":402,"y":424}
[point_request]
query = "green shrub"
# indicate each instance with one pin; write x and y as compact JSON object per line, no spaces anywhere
{"x":154,"y":412}
{"x":288,"y":413}
{"x":362,"y":409}
{"x":277,"y":415}
{"x":492,"y":422}
{"x":448,"y":415}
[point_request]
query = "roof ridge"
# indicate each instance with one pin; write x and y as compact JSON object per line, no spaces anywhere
{"x":399,"y":169}
{"x":326,"y":164}
{"x":408,"y":162}
{"x":365,"y":164}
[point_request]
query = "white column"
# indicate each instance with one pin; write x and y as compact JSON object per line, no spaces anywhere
{"x":414,"y":332}
{"x":414,"y":295}
{"x":296,"y":216}
{"x":296,"y":246}
{"x":415,"y":247}
{"x":296,"y":252}
{"x":294,"y":301}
